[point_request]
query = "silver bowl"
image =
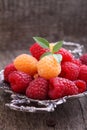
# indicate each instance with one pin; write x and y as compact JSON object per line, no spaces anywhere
{"x":22,"y":103}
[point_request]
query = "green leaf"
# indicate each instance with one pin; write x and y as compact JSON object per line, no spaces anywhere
{"x":58,"y":57}
{"x":45,"y":54}
{"x":42,"y":42}
{"x":57,"y":46}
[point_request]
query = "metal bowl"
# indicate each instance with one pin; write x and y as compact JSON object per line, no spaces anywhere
{"x":22,"y":103}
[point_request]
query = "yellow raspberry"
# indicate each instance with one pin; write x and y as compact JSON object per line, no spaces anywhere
{"x":48,"y":67}
{"x":26,"y":63}
{"x":51,"y":46}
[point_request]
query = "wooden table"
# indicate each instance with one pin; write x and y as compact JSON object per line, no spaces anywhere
{"x":19,"y":22}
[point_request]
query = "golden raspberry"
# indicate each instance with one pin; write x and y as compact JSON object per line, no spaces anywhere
{"x":26,"y":63}
{"x":48,"y":67}
{"x":51,"y":46}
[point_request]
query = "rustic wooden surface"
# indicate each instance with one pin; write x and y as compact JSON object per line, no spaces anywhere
{"x":20,"y":20}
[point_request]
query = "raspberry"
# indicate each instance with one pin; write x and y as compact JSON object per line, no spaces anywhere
{"x":83,"y":59}
{"x":8,"y":69}
{"x":83,"y":73}
{"x":48,"y":67}
{"x":26,"y":63}
{"x":19,"y":81}
{"x":70,"y":88}
{"x":69,"y":71}
{"x":81,"y":85}
{"x":67,"y":56}
{"x":51,"y":45}
{"x":56,"y":88}
{"x":38,"y":89}
{"x":61,"y":87}
{"x":36,"y":50}
{"x":76,"y":61}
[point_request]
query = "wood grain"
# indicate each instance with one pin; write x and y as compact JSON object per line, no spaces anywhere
{"x":20,"y":20}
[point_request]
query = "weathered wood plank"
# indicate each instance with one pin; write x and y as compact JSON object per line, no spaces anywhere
{"x":83,"y":105}
{"x":71,"y":116}
{"x":20,"y":20}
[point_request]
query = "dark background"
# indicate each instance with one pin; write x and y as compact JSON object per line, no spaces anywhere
{"x":55,"y":20}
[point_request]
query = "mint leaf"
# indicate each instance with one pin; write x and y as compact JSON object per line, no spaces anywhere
{"x":42,"y":42}
{"x":45,"y":54}
{"x":57,"y":46}
{"x":58,"y":57}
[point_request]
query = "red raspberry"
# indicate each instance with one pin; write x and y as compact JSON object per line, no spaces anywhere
{"x":67,"y":56}
{"x":36,"y":50}
{"x":37,"y":89}
{"x":83,"y":59}
{"x":56,"y":88}
{"x":19,"y":81}
{"x":69,"y":71}
{"x":76,"y":61}
{"x":8,"y":69}
{"x":83,"y":73}
{"x":61,"y":87}
{"x":81,"y":85}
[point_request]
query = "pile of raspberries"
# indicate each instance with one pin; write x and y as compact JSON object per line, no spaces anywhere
{"x":71,"y":81}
